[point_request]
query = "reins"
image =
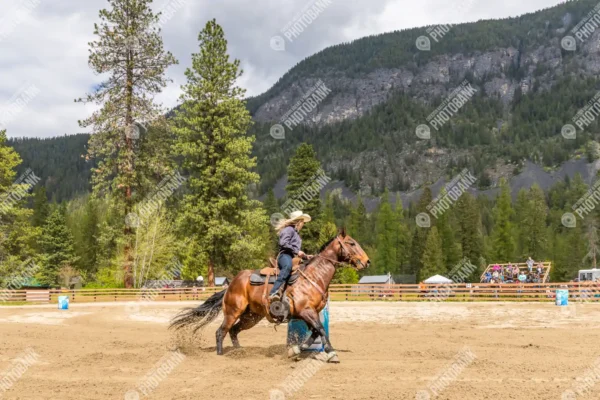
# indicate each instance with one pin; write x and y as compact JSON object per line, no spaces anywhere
{"x":334,"y":262}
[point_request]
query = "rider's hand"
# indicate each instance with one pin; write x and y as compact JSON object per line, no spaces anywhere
{"x":309,"y":256}
{"x":301,"y":254}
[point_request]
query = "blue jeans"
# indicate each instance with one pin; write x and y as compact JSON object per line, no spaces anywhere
{"x":285,"y":265}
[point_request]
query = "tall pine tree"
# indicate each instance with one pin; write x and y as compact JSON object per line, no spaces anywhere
{"x":225,"y":226}
{"x":129,"y":49}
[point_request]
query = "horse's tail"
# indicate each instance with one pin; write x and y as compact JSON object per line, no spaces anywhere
{"x":200,"y":316}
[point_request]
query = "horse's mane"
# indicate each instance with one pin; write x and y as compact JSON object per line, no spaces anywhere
{"x":327,"y":244}
{"x":323,"y":247}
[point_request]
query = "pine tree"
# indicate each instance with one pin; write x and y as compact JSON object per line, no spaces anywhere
{"x":328,"y":212}
{"x":41,"y":209}
{"x":503,"y":233}
{"x":17,"y":237}
{"x":420,"y":236}
{"x":358,"y":221}
{"x":211,"y":126}
{"x":521,"y":206}
{"x":130,"y":49}
{"x":270,"y":204}
{"x":450,"y":246}
{"x":90,"y":233}
{"x":386,"y":229}
{"x":469,"y":224}
{"x":432,"y":259}
{"x":57,"y":246}
{"x":402,"y":236}
{"x":272,"y":207}
{"x":328,"y":231}
{"x":302,"y":168}
{"x":534,"y":224}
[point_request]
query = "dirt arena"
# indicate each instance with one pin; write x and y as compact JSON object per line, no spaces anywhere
{"x":387,"y":351}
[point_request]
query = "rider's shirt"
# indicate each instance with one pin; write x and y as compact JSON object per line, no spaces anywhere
{"x":289,"y":241}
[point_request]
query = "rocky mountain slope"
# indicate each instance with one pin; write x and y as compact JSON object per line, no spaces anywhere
{"x":505,"y":60}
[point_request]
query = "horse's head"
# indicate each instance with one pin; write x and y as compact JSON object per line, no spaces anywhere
{"x":350,"y":251}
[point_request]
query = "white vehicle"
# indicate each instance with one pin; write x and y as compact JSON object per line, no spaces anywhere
{"x":587,"y":275}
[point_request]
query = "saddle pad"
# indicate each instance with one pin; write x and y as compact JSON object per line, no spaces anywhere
{"x":257,"y":279}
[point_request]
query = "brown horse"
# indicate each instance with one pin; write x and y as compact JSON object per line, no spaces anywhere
{"x":243,"y":304}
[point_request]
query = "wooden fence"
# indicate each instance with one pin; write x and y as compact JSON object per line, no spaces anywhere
{"x":536,"y":292}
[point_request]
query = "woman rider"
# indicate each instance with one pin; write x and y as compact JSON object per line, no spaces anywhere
{"x":289,"y":247}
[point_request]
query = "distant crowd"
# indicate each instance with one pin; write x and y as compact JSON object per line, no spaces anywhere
{"x":513,"y":274}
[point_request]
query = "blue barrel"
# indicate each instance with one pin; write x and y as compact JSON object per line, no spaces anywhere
{"x":562,"y":297}
{"x":63,"y":302}
{"x":298,"y":331}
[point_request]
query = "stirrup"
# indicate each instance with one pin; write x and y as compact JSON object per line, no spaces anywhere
{"x":279,"y":309}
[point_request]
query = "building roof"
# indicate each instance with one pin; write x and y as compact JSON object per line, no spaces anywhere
{"x":376,"y":279}
{"x":221,"y":280}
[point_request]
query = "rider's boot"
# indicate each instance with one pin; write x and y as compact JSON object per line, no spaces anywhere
{"x":276,"y":296}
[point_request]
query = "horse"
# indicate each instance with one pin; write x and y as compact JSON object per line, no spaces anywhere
{"x":244,"y":305}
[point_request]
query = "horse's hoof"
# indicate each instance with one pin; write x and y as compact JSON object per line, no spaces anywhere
{"x":333,"y":358}
{"x":293,"y":351}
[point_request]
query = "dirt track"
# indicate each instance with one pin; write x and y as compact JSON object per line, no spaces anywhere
{"x":387,"y":351}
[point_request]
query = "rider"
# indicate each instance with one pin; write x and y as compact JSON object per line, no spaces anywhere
{"x":289,"y":247}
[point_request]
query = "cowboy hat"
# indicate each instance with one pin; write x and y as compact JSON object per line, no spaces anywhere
{"x":299,"y":215}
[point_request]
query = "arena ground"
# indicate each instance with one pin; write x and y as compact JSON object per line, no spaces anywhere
{"x":387,"y":351}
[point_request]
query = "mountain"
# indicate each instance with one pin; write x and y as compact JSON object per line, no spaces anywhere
{"x":382,"y":88}
{"x":60,"y":163}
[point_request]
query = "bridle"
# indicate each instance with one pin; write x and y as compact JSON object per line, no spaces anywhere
{"x":353,"y":259}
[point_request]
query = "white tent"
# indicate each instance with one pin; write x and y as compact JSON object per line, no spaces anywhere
{"x":437,"y":279}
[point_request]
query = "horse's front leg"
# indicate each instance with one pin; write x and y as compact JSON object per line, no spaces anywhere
{"x":311,"y":317}
{"x":310,"y":340}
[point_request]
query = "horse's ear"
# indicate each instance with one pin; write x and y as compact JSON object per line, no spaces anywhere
{"x":343,"y":232}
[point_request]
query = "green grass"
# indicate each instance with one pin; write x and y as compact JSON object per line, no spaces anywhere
{"x":16,"y":303}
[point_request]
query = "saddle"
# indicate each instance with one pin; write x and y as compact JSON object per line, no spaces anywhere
{"x":259,"y":276}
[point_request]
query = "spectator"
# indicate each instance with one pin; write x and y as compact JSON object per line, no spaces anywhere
{"x":540,"y":268}
{"x":487,"y":277}
{"x":522,"y":277}
{"x":515,"y":272}
{"x":530,"y":263}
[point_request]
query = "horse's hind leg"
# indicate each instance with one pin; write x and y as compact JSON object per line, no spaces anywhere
{"x":222,"y":331}
{"x":247,"y":321}
{"x":232,"y":309}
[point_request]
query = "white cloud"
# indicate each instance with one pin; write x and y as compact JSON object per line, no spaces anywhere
{"x":48,"y":45}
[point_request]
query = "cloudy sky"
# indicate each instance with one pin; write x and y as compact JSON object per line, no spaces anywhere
{"x":43,"y":45}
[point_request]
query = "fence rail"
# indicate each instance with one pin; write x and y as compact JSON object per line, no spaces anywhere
{"x":537,"y":292}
